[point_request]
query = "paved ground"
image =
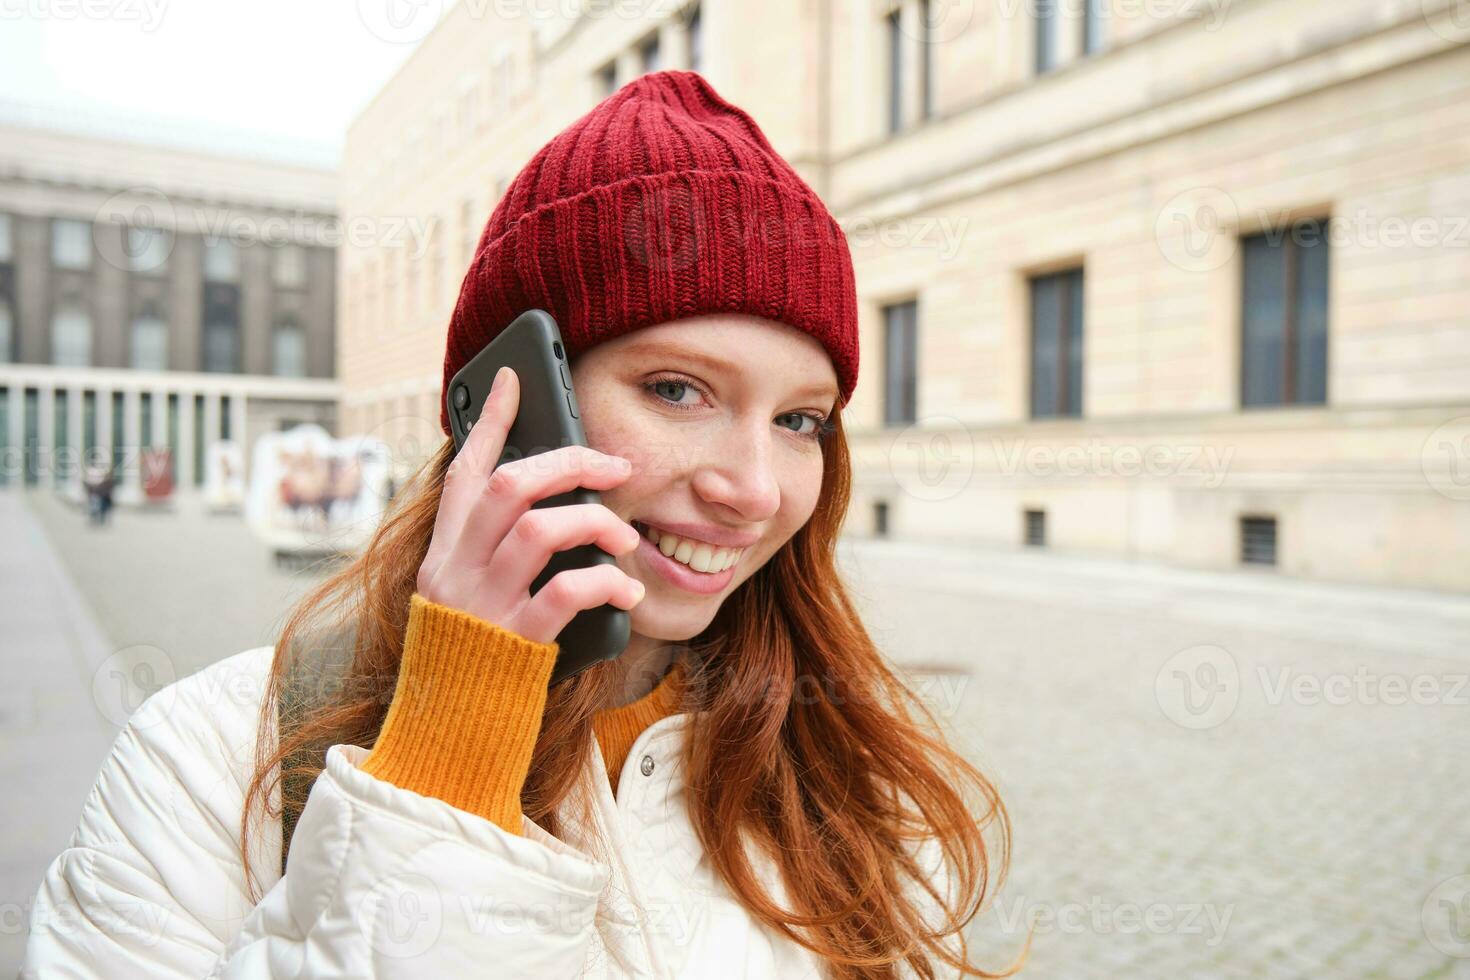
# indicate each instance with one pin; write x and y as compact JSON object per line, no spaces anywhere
{"x":1209,"y":775}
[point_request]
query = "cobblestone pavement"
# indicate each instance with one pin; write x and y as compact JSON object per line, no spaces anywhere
{"x":1209,"y":775}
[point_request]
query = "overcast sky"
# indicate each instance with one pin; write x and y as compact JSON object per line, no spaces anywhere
{"x":275,"y":78}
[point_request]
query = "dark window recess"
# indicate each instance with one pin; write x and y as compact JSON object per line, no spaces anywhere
{"x":1036,"y":528}
{"x":1047,"y":27}
{"x":1258,"y":540}
{"x":895,"y":73}
{"x":1283,"y":331}
{"x":926,"y":52}
{"x":1056,"y":345}
{"x":880,"y":518}
{"x":900,"y":363}
{"x":1092,"y":18}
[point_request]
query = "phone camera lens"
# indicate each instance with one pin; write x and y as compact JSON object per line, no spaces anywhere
{"x":556,"y":349}
{"x":461,"y":398}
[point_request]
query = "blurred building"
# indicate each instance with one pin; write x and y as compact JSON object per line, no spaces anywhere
{"x":1180,"y":281}
{"x":152,"y":296}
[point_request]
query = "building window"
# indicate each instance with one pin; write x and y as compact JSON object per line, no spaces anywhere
{"x":900,"y":362}
{"x":288,"y":349}
{"x":71,"y":337}
{"x":1258,"y":540}
{"x":1035,"y":528}
{"x":71,"y":244}
{"x":607,"y":79}
{"x":148,"y":249}
{"x":1092,"y":26}
{"x":1048,"y":26}
{"x":927,"y":50}
{"x":288,"y":266}
{"x":1056,"y":345}
{"x":648,"y":54}
{"x":696,"y":39}
{"x":468,"y":233}
{"x":150,"y":343}
{"x":222,"y":347}
{"x":7,"y":332}
{"x":1284,"y":316}
{"x":895,"y":72}
{"x":221,"y":260}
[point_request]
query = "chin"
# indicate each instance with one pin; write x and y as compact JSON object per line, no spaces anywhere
{"x":671,"y":627}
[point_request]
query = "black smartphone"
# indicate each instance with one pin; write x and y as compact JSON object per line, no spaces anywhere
{"x":547,"y":419}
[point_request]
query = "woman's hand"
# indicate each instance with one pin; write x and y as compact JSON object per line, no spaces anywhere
{"x":489,"y":545}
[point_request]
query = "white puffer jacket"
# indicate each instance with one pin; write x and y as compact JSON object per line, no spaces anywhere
{"x":381,"y":881}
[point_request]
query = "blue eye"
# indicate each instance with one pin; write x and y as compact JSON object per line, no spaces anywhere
{"x":822,"y":427}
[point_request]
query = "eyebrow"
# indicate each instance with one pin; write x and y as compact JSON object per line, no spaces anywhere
{"x":654,"y":348}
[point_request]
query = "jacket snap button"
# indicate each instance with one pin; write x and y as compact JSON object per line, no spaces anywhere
{"x":646,"y":766}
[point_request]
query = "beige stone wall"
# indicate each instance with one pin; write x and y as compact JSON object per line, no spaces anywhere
{"x":1199,"y":122}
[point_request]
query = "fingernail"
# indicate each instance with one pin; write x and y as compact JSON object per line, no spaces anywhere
{"x":639,"y":591}
{"x":499,"y":377}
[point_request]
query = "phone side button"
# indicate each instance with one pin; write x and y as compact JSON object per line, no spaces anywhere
{"x":572,"y":405}
{"x":566,"y":380}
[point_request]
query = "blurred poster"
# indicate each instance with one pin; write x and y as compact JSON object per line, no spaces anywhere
{"x":310,"y":492}
{"x":158,"y":477}
{"x":224,"y":476}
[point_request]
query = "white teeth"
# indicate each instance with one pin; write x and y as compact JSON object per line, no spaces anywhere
{"x":697,"y":555}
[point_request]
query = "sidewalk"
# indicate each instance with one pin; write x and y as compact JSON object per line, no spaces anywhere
{"x":52,"y":741}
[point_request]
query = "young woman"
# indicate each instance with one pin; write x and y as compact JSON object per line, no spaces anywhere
{"x":748,"y":790}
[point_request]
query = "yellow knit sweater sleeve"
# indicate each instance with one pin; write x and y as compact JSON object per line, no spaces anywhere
{"x":465,"y":714}
{"x":467,"y":709}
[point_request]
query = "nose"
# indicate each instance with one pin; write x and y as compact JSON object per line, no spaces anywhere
{"x":739,"y":470}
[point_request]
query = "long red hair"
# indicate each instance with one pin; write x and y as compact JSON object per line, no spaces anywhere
{"x":840,"y":771}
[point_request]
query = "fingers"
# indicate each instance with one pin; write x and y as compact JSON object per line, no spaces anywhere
{"x":473,"y":464}
{"x":571,"y":591}
{"x":538,"y":534}
{"x":510,"y":491}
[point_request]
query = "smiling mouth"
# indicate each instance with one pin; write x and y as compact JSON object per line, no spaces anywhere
{"x":699,"y":556}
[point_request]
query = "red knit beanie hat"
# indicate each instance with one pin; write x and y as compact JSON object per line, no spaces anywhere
{"x":663,"y":202}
